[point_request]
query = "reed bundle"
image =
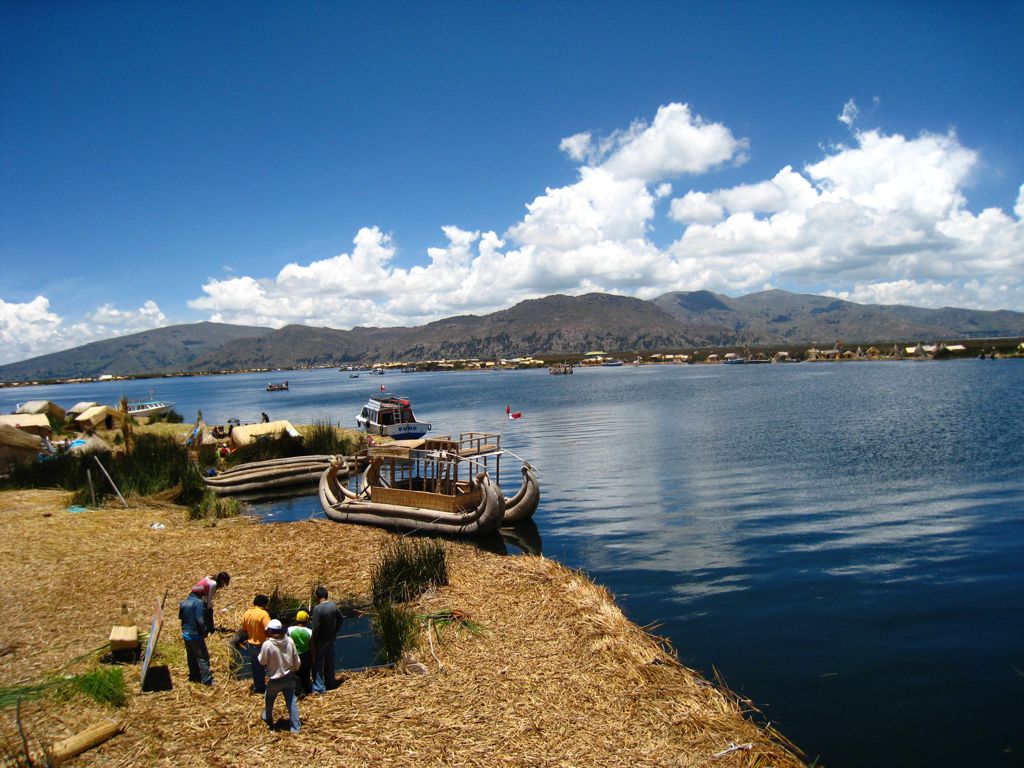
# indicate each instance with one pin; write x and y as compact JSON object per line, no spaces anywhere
{"x":560,"y":677}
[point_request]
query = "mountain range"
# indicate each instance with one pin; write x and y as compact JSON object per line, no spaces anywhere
{"x":549,"y":326}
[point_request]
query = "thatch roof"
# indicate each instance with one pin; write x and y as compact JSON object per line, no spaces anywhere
{"x":97,"y":417}
{"x":246,"y":433}
{"x":90,"y":444}
{"x":17,"y":446}
{"x":19,"y":438}
{"x":558,"y":677}
{"x":34,"y":423}
{"x":41,"y":406}
{"x":80,"y":408}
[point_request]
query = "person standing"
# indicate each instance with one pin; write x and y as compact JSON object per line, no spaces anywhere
{"x":213,"y":583}
{"x":254,"y":624}
{"x":279,"y":657}
{"x":324,"y":620}
{"x":193,"y":633}
{"x":301,"y":635}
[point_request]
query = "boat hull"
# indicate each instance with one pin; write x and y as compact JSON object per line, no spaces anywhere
{"x":344,"y":506}
{"x":522,"y":506}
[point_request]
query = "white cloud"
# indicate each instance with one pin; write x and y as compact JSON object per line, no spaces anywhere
{"x":884,"y":218}
{"x":849,"y":114}
{"x":31,"y":329}
{"x":26,"y":328}
{"x":675,"y":143}
{"x":576,"y":146}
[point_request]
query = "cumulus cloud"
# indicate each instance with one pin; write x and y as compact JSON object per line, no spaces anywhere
{"x":849,"y":114}
{"x":882,"y":219}
{"x":676,"y":142}
{"x":29,"y":329}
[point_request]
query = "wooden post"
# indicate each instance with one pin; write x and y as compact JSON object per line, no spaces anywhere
{"x":87,"y":739}
{"x":92,"y":490}
{"x":109,"y":480}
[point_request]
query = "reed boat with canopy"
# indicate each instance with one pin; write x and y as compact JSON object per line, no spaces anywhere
{"x":434,"y":485}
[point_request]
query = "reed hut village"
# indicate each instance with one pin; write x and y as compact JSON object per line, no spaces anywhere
{"x":478,"y":658}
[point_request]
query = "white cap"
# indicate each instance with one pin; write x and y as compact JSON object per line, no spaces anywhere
{"x":274,"y":626}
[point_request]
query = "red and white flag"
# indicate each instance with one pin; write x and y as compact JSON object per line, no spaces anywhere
{"x":511,"y":415}
{"x":382,"y":387}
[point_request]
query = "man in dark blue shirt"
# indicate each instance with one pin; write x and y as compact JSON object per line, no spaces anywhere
{"x":193,"y":632}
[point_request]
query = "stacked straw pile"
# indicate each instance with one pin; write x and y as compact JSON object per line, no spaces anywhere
{"x":559,"y":677}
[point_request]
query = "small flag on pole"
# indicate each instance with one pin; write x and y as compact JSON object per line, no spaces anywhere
{"x":511,"y":415}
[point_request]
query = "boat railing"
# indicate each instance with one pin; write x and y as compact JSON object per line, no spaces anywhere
{"x":472,"y":443}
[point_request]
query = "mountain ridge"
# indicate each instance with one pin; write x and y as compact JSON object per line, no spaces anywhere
{"x":552,"y":325}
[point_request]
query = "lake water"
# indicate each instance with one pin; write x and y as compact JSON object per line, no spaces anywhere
{"x":844,"y":542}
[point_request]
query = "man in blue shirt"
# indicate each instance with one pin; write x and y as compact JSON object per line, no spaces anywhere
{"x":193,"y":632}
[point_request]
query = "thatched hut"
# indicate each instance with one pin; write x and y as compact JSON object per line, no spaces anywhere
{"x":246,"y":433}
{"x":100,"y":417}
{"x":33,"y":423}
{"x":79,"y":408}
{"x":42,"y":406}
{"x":17,"y":446}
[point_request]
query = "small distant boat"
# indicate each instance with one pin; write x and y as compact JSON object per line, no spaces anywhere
{"x":353,"y":375}
{"x":148,"y":408}
{"x":559,"y":369}
{"x":611,"y":363}
{"x":391,"y":416}
{"x":282,"y":387}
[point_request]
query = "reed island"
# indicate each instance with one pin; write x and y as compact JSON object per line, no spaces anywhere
{"x":515,"y":661}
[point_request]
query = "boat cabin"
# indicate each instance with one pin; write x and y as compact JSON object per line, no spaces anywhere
{"x":431,"y":473}
{"x":391,"y":416}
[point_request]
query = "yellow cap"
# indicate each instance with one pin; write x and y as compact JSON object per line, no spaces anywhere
{"x":302,"y":616}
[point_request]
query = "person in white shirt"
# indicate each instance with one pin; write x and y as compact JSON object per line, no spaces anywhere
{"x":281,"y":660}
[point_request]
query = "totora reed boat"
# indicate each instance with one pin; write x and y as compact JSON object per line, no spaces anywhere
{"x":433,"y":485}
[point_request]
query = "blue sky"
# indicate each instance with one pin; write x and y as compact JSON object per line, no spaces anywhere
{"x":360,"y":164}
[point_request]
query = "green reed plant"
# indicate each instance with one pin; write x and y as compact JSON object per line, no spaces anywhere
{"x":280,"y":446}
{"x":323,"y":438}
{"x":210,"y":506}
{"x":406,"y":568}
{"x":104,"y":685}
{"x":395,"y":629}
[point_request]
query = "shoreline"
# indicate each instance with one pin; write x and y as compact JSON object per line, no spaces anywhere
{"x":1002,"y":348}
{"x":559,"y":677}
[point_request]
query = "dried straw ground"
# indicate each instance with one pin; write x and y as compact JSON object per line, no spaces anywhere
{"x":559,"y":678}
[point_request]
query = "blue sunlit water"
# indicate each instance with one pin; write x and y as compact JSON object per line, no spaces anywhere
{"x":843,"y":542}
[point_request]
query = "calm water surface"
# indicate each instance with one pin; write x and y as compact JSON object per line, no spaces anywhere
{"x":843,"y":542}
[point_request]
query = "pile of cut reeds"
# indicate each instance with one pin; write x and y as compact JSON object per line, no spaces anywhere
{"x":558,"y":677}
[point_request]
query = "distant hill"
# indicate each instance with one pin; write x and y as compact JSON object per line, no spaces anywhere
{"x":551,"y":325}
{"x":780,"y":317}
{"x":172,"y":348}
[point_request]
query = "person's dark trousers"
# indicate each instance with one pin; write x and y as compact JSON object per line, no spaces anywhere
{"x":323,"y":668}
{"x":305,"y":674}
{"x":198,"y":657}
{"x":259,"y":672}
